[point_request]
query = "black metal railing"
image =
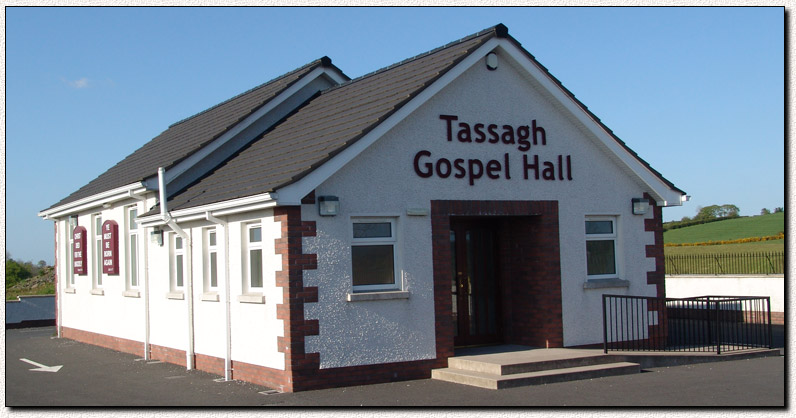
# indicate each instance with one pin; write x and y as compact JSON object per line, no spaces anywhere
{"x":700,"y":324}
{"x":731,"y":263}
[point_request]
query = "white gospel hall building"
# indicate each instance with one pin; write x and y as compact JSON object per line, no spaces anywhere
{"x":318,"y":231}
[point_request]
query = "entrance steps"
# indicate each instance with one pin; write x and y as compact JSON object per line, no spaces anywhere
{"x":515,"y":367}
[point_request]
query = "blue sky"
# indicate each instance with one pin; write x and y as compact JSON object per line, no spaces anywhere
{"x":696,"y":92}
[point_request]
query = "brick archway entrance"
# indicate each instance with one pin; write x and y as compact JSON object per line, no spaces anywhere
{"x":528,"y":273}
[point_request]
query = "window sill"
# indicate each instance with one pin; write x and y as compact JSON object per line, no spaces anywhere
{"x":605,"y":283}
{"x":98,"y":292}
{"x":384,"y":295}
{"x":69,"y":290}
{"x":175,"y":295}
{"x":131,"y":294}
{"x":252,"y":298}
{"x":210,"y":296}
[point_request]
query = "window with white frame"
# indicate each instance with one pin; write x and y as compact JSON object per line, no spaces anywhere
{"x":177,"y":263}
{"x":253,"y":258}
{"x":601,"y":247}
{"x":132,"y":247}
{"x":97,"y":225}
{"x":211,"y":259}
{"x":373,"y":265}
{"x":70,"y":240}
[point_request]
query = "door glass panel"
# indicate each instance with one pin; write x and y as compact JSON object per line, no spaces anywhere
{"x":454,"y":286}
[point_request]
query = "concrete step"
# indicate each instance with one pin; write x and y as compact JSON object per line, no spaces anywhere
{"x":514,"y":363}
{"x":496,"y":381}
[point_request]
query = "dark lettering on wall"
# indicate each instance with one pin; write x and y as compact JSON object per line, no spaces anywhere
{"x":523,"y":137}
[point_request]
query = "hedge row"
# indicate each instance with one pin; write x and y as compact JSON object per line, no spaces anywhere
{"x":781,"y":235}
{"x":682,"y":224}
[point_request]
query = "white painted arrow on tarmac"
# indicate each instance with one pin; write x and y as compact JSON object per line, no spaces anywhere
{"x":41,"y":367}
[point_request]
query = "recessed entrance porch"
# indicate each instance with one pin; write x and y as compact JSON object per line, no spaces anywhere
{"x":497,"y":275}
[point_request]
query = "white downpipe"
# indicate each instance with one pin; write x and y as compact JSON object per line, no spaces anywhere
{"x":145,"y":239}
{"x":227,"y":297}
{"x":189,"y":352}
{"x":146,"y":296}
{"x":59,"y":298}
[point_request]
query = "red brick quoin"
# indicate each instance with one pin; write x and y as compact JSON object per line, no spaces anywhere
{"x":656,"y":277}
{"x":530,"y":270}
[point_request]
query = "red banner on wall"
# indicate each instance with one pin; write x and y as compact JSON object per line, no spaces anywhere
{"x":110,"y":247}
{"x":79,"y":251}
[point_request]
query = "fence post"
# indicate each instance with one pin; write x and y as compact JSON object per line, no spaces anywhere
{"x":605,"y":329}
{"x":770,"y":264}
{"x":770,"y":328}
{"x":718,"y":329}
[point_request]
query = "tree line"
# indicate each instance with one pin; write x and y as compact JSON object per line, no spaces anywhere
{"x":712,"y":213}
{"x":17,"y":270}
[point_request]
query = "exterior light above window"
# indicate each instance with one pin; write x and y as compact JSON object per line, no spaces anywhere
{"x":491,"y":61}
{"x":328,"y":205}
{"x":640,"y":206}
{"x":156,"y":236}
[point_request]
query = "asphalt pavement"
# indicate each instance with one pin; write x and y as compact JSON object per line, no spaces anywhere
{"x":95,"y":376}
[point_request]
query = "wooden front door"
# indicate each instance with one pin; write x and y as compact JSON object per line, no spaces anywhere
{"x":474,"y":285}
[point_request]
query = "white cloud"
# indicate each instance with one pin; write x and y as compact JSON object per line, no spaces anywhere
{"x":78,"y":84}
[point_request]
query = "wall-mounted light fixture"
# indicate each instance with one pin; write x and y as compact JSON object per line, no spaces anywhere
{"x":491,"y":61}
{"x":156,"y":236}
{"x":640,"y":206}
{"x":328,"y":205}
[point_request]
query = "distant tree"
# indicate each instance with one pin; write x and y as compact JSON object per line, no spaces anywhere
{"x":778,"y":210}
{"x":15,"y":273}
{"x":728,"y":211}
{"x":765,"y":211}
{"x":685,"y":219}
{"x":707,"y":212}
{"x":716,"y":211}
{"x":41,"y":264}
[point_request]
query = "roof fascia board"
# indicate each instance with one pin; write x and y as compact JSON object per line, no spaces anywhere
{"x":227,"y":207}
{"x":292,"y":194}
{"x":97,"y":200}
{"x":195,"y":158}
{"x":668,"y":197}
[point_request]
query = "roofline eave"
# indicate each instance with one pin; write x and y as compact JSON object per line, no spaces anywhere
{"x":130,"y":191}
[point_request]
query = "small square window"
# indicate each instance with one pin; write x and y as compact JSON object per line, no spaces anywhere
{"x":373,"y":258}
{"x":373,"y":265}
{"x":601,"y":247}
{"x":254,"y":258}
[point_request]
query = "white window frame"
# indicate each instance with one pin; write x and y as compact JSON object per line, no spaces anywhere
{"x":391,"y":240}
{"x":133,"y":253}
{"x":70,"y":240}
{"x":96,"y":250}
{"x":208,"y":251}
{"x":613,"y":236}
{"x":177,"y":256}
{"x":248,"y":247}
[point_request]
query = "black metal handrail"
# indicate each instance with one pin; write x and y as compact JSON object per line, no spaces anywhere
{"x":699,"y":324}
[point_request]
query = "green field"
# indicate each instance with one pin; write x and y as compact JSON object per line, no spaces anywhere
{"x":745,"y":258}
{"x":753,"y":226}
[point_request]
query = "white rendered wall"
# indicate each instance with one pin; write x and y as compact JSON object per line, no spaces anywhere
{"x":119,"y":310}
{"x":382,"y":181}
{"x":117,"y":313}
{"x":772,"y":286}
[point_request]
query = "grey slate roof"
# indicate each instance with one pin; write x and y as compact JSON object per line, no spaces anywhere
{"x":189,"y":135}
{"x":324,"y":126}
{"x":316,"y":131}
